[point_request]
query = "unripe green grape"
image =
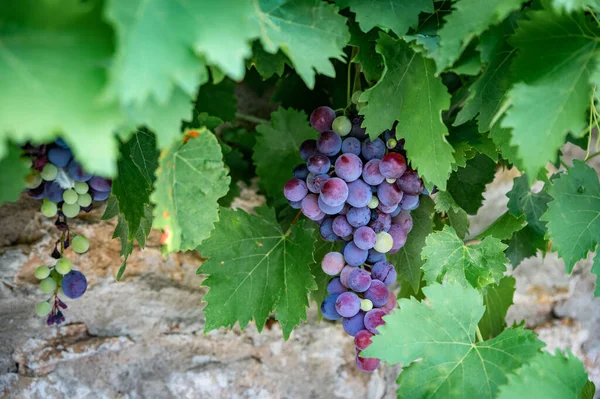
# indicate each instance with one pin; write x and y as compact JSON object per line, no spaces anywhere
{"x":360,"y":106}
{"x":70,"y":196}
{"x":81,"y":187}
{"x":63,"y":266}
{"x":392,"y":143}
{"x":84,"y":200}
{"x":391,"y":181}
{"x":70,"y":210}
{"x":341,"y":125}
{"x":356,"y":96}
{"x":49,"y":209}
{"x":41,"y":272}
{"x":48,"y":285}
{"x":384,"y":242}
{"x":33,"y":179}
{"x":80,"y":244}
{"x":366,"y":305}
{"x":374,"y":203}
{"x":43,"y":309}
{"x":49,"y":172}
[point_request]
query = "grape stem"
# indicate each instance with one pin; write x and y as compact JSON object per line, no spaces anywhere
{"x":289,"y":230}
{"x":250,"y":118}
{"x":62,"y":243}
{"x":478,"y":334}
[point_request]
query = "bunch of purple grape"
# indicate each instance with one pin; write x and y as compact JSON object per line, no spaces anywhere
{"x":360,"y":191}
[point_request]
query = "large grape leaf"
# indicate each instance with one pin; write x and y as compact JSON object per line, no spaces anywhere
{"x":532,"y":205}
{"x":447,"y":257}
{"x":12,"y":179}
{"x":218,"y":100}
{"x":467,"y":142}
{"x":276,"y":149}
{"x":52,"y":70}
{"x":189,"y":181}
{"x":524,"y":244}
{"x":408,"y":259}
{"x":309,"y":32}
{"x":468,"y":184}
{"x":397,"y":15}
{"x":267,"y":64}
{"x":409,"y":93}
{"x":469,"y":19}
{"x":497,"y":298}
{"x":576,"y":5}
{"x":547,"y":377}
{"x":557,"y":54}
{"x":573,"y":215}
{"x":457,"y":217}
{"x":504,"y":227}
{"x":371,"y":63}
{"x":441,"y":332}
{"x":254,"y":268}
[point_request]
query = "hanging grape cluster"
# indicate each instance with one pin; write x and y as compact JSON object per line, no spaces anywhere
{"x":65,"y":189}
{"x":360,"y":191}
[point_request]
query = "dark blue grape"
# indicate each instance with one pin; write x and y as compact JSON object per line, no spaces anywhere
{"x":384,"y":272}
{"x":359,"y":194}
{"x":100,"y":184}
{"x":329,"y":143}
{"x":404,"y":220}
{"x":371,"y":173}
{"x":77,"y":173}
{"x":351,"y":145}
{"x":61,"y":143}
{"x":295,"y":190}
{"x":308,"y":149}
{"x":389,"y":194}
{"x":354,"y":255}
{"x":295,"y":204}
{"x":322,"y":118}
{"x":59,"y":156}
{"x":358,"y":217}
{"x":382,"y":221}
{"x":74,"y":284}
{"x":335,"y":286}
{"x":398,"y":236}
{"x":53,"y":191}
{"x":301,"y":171}
{"x":377,"y":293}
{"x":334,"y":192}
{"x":310,"y":208}
{"x":373,"y":149}
{"x":357,"y":130}
{"x":328,"y":308}
{"x":392,"y":165}
{"x":99,"y":195}
{"x":374,"y":257}
{"x":327,"y":231}
{"x":318,"y":164}
{"x":365,"y":237}
{"x":329,"y":210}
{"x":374,"y":319}
{"x":341,"y":227}
{"x":354,"y":324}
{"x":315,"y":182}
{"x":38,"y":192}
{"x":409,"y":202}
{"x":410,"y":183}
{"x":359,"y":280}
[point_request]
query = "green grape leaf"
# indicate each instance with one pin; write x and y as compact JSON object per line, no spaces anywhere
{"x":556,"y":56}
{"x":300,"y":27}
{"x":504,"y":227}
{"x":554,"y":377}
{"x":576,"y":5}
{"x":136,"y":166}
{"x":189,"y":181}
{"x":458,"y":218}
{"x":37,"y":76}
{"x":467,"y":184}
{"x":497,"y":298}
{"x":532,"y":205}
{"x":468,"y":20}
{"x":573,"y":215}
{"x":524,"y":244}
{"x":396,"y":15}
{"x":596,"y":270}
{"x":409,"y":93}
{"x":267,"y":64}
{"x":447,"y":257}
{"x":218,"y":100}
{"x":466,"y":138}
{"x":441,"y":332}
{"x":276,"y":149}
{"x":254,"y":268}
{"x":408,"y":259}
{"x":321,"y":248}
{"x":371,"y":63}
{"x":501,"y":137}
{"x":588,"y":391}
{"x":14,"y":170}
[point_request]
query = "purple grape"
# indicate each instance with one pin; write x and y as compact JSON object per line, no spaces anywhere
{"x":359,"y":194}
{"x":365,"y":237}
{"x":53,"y":191}
{"x":345,"y":209}
{"x":389,"y":194}
{"x":377,"y":293}
{"x":399,"y":236}
{"x":321,"y":118}
{"x":374,"y":257}
{"x":367,"y":364}
{"x":326,"y":230}
{"x":318,"y":164}
{"x":347,"y":304}
{"x":301,"y":171}
{"x":61,"y":143}
{"x":372,"y":149}
{"x":310,"y":208}
{"x":332,"y":263}
{"x":410,"y":183}
{"x":59,"y":156}
{"x":392,"y":165}
{"x":335,"y":286}
{"x":77,"y":173}
{"x":396,"y":212}
{"x":351,"y":145}
{"x":74,"y":284}
{"x":341,"y":227}
{"x":362,"y":339}
{"x":295,"y":204}
{"x":295,"y":190}
{"x":308,"y":149}
{"x":374,"y":319}
{"x":391,"y":303}
{"x":404,"y":220}
{"x":329,"y":210}
{"x":100,"y":184}
{"x":329,"y":143}
{"x":314,"y":182}
{"x":409,"y":202}
{"x":348,"y":167}
{"x":358,"y":217}
{"x":357,"y":130}
{"x":334,"y":192}
{"x":371,"y":173}
{"x":382,"y":222}
{"x":384,"y":272}
{"x":99,"y":195}
{"x":359,"y":280}
{"x":328,"y":308}
{"x":38,"y":192}
{"x":354,"y":255}
{"x":387,"y":209}
{"x":345,"y":273}
{"x":353,"y":325}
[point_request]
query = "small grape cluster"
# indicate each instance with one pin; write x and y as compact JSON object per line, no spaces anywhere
{"x":360,"y":191}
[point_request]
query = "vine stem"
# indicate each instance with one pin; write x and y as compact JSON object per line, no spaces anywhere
{"x":62,"y":243}
{"x":250,"y":118}
{"x":592,"y":156}
{"x":289,"y":230}
{"x":478,"y":334}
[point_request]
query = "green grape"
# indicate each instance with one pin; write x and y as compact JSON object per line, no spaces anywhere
{"x":41,"y":272}
{"x":80,"y":244}
{"x":356,"y":96}
{"x":49,"y":172}
{"x":391,"y":181}
{"x":366,"y":305}
{"x":43,"y":309}
{"x":374,"y":203}
{"x":81,"y":187}
{"x":63,"y":266}
{"x":341,"y":125}
{"x":49,"y":209}
{"x":48,"y":285}
{"x":33,"y":179}
{"x":384,"y":242}
{"x":70,"y":210}
{"x":392,"y":143}
{"x":70,"y":196}
{"x":84,"y":200}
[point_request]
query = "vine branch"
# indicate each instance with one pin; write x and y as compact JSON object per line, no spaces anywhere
{"x":251,"y":118}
